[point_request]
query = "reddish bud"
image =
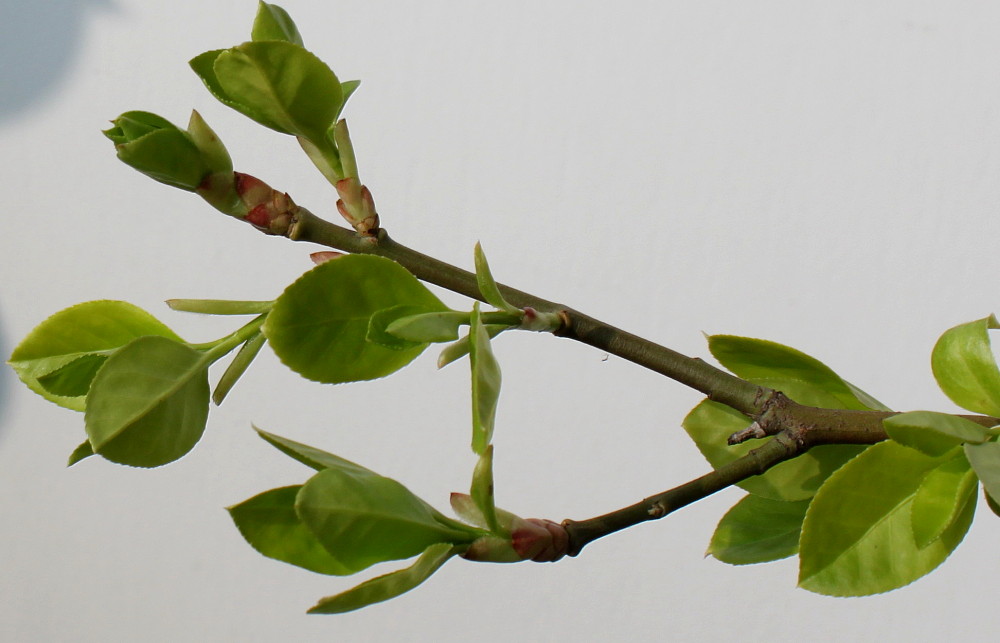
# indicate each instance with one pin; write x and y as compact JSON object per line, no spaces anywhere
{"x":540,"y":540}
{"x":268,"y":210}
{"x":323,"y":257}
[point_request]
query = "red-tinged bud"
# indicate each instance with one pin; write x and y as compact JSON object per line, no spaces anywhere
{"x":268,"y":210}
{"x":357,"y":206}
{"x":540,"y":540}
{"x":323,"y":257}
{"x":492,"y":549}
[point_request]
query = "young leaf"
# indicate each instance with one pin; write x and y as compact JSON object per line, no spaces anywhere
{"x":429,"y":327}
{"x":73,"y":379}
{"x":857,"y":538}
{"x":941,"y":498}
{"x":485,"y":384}
{"x":379,"y":323}
{"x":710,"y":424}
{"x":311,"y":456}
{"x":274,"y":23}
{"x":364,"y":519}
{"x":933,"y":433}
{"x":276,"y":83}
{"x":390,"y":585}
{"x":269,"y":523}
{"x":965,"y":368}
{"x":466,"y":508}
{"x":148,"y":404}
{"x":803,"y":378}
{"x":488,"y":286}
{"x":482,"y":489}
{"x":348,"y":87}
{"x":460,"y":349}
{"x":89,"y":328}
{"x":985,"y":460}
{"x":79,"y":453}
{"x":237,"y":367}
{"x":758,"y":530}
{"x":318,"y":326}
{"x":220,"y":306}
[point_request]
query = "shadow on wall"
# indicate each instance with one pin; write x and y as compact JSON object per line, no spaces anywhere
{"x":38,"y":40}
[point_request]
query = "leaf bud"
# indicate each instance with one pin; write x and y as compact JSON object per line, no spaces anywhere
{"x":268,"y":210}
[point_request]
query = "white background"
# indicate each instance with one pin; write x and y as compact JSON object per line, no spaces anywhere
{"x":826,"y":176}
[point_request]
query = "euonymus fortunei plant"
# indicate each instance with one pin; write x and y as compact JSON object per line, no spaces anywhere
{"x":868,"y":498}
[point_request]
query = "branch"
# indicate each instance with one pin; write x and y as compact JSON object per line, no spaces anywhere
{"x":717,"y":384}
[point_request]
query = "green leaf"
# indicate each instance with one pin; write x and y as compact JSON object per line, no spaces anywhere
{"x":488,"y":286}
{"x":858,"y":539}
{"x":758,"y":530}
{"x":237,"y":367}
{"x":993,"y":504}
{"x":274,"y":23}
{"x":220,"y":306}
{"x":348,"y":87}
{"x":378,"y":327}
{"x":985,"y":461}
{"x":269,"y":523}
{"x":74,"y":378}
{"x":160,"y":150}
{"x":467,"y":509}
{"x":278,"y":84}
{"x":311,"y":456}
{"x":461,"y":348}
{"x":148,"y":404}
{"x":482,"y":490}
{"x":364,"y":518}
{"x":429,"y":327}
{"x":318,"y":326}
{"x":941,"y":498}
{"x":710,"y":424}
{"x":965,"y":368}
{"x":79,"y":453}
{"x":933,"y":433}
{"x":485,"y":384}
{"x":388,"y":585}
{"x":89,"y":328}
{"x":803,"y":378}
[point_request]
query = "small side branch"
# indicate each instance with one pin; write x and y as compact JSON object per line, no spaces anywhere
{"x":778,"y":449}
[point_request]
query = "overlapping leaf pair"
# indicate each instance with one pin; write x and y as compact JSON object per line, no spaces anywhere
{"x":863,"y":520}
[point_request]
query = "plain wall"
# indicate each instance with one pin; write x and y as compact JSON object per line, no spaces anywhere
{"x":822,"y":175}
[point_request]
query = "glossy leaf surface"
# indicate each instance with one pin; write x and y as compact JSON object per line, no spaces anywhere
{"x":363,"y":518}
{"x":390,"y":585}
{"x":485,"y":384}
{"x":73,"y":379}
{"x":487,"y":285}
{"x":933,"y":433}
{"x":758,"y":530}
{"x":148,"y":404}
{"x":941,"y":498}
{"x":965,"y":369}
{"x":81,"y":452}
{"x":93,"y":327}
{"x":803,"y":378}
{"x":319,"y":325}
{"x":220,"y":306}
{"x":482,"y":489}
{"x":985,"y":460}
{"x":269,"y":523}
{"x":311,"y":456}
{"x":276,"y":83}
{"x":237,"y":367}
{"x":273,"y":23}
{"x":857,"y":538}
